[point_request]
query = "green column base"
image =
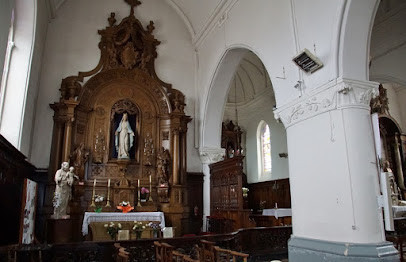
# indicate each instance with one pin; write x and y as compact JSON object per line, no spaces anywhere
{"x":311,"y":250}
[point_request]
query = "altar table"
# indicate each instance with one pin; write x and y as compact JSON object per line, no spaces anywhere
{"x":277,"y":212}
{"x":114,"y":216}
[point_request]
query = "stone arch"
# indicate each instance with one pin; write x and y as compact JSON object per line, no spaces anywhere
{"x":215,"y":98}
{"x":355,"y":37}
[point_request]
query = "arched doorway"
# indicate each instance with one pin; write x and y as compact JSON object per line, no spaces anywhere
{"x":241,"y":96}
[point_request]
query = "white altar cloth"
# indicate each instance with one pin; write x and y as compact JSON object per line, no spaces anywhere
{"x":277,"y":212}
{"x":115,"y":216}
{"x":399,"y":211}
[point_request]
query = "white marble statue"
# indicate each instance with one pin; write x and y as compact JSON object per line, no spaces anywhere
{"x":124,"y":138}
{"x":64,"y":179}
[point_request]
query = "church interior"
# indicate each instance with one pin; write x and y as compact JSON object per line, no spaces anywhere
{"x":216,"y":130}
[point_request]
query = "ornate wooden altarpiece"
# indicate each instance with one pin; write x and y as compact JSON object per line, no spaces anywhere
{"x":231,"y":139}
{"x":88,"y":112}
{"x":393,"y":141}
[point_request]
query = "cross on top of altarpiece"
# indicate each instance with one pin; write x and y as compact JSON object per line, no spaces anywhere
{"x":132,"y":3}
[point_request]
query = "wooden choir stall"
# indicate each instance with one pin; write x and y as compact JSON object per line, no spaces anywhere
{"x":123,"y":129}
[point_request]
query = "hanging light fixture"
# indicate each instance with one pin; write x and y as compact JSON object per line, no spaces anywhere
{"x":238,"y":149}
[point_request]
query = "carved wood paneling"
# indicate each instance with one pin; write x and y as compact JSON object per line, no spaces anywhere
{"x":269,"y":193}
{"x":226,"y":199}
{"x":13,"y":169}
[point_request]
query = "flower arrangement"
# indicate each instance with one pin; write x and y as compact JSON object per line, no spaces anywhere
{"x":98,"y":199}
{"x":144,"y":191}
{"x":245,"y":191}
{"x":138,"y":228}
{"x":124,"y":203}
{"x":144,"y":194}
{"x":155,"y":228}
{"x":125,"y":206}
{"x":112,"y":229}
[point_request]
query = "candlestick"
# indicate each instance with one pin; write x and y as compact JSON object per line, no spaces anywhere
{"x":94,"y":193}
{"x":150,"y":189}
{"x":139,"y":195}
{"x":108,"y":194}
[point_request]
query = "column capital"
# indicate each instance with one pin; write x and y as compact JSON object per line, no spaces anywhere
{"x":209,"y":155}
{"x":337,"y":94}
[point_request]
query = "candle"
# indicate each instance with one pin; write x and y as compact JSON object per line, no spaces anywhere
{"x":94,"y":183}
{"x":138,"y":183}
{"x":150,"y":179}
{"x":108,"y":183}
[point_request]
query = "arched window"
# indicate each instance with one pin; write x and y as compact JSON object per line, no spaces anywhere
{"x":264,"y":148}
{"x":6,"y":65}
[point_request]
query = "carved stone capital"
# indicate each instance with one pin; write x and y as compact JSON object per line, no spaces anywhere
{"x":338,"y":94}
{"x":209,"y":155}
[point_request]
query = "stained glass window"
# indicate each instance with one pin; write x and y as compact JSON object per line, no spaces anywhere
{"x":266,"y":148}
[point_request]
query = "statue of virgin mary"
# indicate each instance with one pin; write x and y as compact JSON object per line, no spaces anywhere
{"x":124,"y":138}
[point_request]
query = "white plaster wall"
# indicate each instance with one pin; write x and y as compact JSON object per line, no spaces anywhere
{"x":71,"y":46}
{"x":197,"y":12}
{"x":33,"y":85}
{"x":6,"y":6}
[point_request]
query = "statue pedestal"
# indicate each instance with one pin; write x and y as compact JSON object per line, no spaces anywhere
{"x":122,"y":167}
{"x":63,"y":230}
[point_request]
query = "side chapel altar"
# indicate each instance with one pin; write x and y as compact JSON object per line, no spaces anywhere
{"x":122,"y":128}
{"x":97,"y":221}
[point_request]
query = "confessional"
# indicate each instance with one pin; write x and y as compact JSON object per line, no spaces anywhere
{"x":87,"y":116}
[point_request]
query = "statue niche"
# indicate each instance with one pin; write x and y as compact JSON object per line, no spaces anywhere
{"x":124,"y":137}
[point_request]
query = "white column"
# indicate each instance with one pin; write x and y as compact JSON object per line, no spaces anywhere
{"x":332,"y":164}
{"x":208,"y":155}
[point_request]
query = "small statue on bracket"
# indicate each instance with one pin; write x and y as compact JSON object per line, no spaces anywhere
{"x":148,"y":150}
{"x":79,"y":157}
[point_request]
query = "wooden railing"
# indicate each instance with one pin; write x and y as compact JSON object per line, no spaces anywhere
{"x":227,"y":255}
{"x":253,"y":241}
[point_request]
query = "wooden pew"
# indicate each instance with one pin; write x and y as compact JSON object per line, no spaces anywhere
{"x":223,"y":255}
{"x":163,"y":252}
{"x":121,"y":254}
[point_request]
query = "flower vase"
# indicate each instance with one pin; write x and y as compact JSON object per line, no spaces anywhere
{"x":98,"y":209}
{"x":138,"y":234}
{"x":143,"y":198}
{"x":155,"y":233}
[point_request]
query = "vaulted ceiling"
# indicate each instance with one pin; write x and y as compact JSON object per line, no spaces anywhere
{"x":197,"y":14}
{"x":250,"y":81}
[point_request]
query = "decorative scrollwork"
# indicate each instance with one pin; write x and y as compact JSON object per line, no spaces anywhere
{"x":122,"y":106}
